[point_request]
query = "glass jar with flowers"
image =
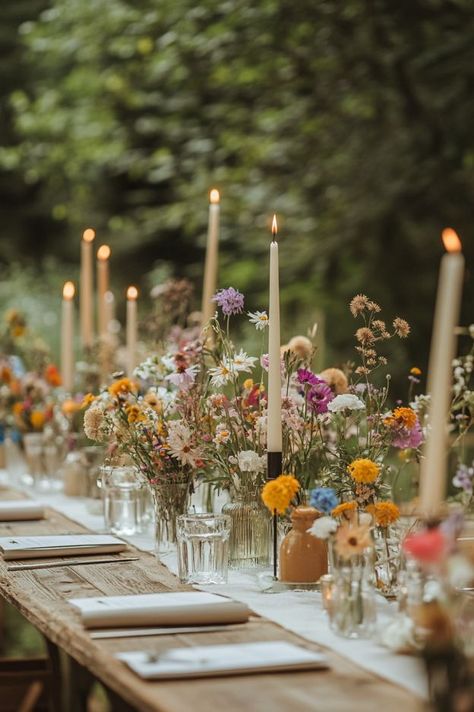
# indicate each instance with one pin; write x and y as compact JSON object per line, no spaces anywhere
{"x":152,"y":427}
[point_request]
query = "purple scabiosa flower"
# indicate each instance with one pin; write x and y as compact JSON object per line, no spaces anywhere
{"x":324,"y":499}
{"x":464,"y":478}
{"x":230,"y":300}
{"x":307,"y":377}
{"x":319,"y":396}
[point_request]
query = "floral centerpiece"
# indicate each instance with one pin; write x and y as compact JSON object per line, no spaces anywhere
{"x":158,"y":428}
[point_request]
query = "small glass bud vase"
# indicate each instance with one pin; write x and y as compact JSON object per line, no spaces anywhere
{"x":352,"y":611}
{"x":303,"y":557}
{"x":250,"y":534}
{"x":170,"y":500}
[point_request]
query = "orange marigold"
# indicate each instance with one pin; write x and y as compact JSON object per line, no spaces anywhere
{"x":277,"y":494}
{"x":384,"y":513}
{"x":343,"y":508}
{"x":121,"y":387}
{"x":52,"y":375}
{"x":37,"y":419}
{"x":406,"y":417}
{"x":87,"y":400}
{"x":364,"y":470}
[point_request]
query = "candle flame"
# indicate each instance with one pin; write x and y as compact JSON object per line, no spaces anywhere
{"x":451,"y":241}
{"x":68,"y":291}
{"x":88,"y":235}
{"x":214,"y":196}
{"x":103,"y":253}
{"x":274,"y":226}
{"x":132,"y":293}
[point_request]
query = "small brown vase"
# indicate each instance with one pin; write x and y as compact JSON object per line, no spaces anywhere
{"x":303,"y":557}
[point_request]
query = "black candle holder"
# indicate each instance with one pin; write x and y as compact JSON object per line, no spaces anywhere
{"x":274,"y":468}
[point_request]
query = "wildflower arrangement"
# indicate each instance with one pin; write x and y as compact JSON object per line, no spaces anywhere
{"x":357,"y":432}
{"x":18,"y":341}
{"x":32,"y":398}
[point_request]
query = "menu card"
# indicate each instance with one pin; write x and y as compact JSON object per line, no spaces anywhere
{"x":36,"y":547}
{"x":20,"y":510}
{"x":216,"y":660}
{"x":183,"y":608}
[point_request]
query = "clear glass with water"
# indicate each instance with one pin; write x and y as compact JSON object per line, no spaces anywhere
{"x":122,"y":499}
{"x":203,"y":548}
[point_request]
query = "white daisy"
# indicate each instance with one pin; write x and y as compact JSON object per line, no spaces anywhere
{"x":259,"y":318}
{"x":220,"y":375}
{"x":243,"y":363}
{"x":180,"y":444}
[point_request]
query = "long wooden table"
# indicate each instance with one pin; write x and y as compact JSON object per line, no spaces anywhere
{"x":41,"y":597}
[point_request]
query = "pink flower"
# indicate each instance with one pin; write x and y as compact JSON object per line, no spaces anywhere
{"x":428,"y":546}
{"x":406,"y":438}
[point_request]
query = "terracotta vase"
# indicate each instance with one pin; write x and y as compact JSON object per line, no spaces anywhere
{"x":303,"y":557}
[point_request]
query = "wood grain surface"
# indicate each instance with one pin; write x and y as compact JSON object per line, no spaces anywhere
{"x":41,"y":597}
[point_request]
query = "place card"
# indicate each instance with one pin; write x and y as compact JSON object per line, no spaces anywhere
{"x":183,"y":608}
{"x":217,"y":660}
{"x":35,"y":547}
{"x":20,"y":510}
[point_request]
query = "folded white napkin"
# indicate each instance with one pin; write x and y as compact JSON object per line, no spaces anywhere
{"x":20,"y":509}
{"x":183,"y":608}
{"x":216,"y":660}
{"x":36,"y":547}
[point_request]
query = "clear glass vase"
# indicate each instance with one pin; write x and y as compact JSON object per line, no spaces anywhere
{"x":352,"y":611}
{"x":387,"y":551}
{"x":251,"y":532}
{"x":170,"y":499}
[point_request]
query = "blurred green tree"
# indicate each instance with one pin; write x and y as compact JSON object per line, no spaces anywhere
{"x":351,"y":120}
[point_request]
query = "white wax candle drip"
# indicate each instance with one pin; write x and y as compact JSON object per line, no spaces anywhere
{"x":434,"y":464}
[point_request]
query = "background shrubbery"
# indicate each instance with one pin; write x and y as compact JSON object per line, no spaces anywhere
{"x":352,"y":120}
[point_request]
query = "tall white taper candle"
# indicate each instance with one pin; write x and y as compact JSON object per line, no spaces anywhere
{"x":86,"y":293}
{"x":67,"y":337}
{"x":132,"y":295}
{"x":212,"y":258}
{"x":103,"y":255}
{"x":274,"y":432}
{"x":448,"y":301}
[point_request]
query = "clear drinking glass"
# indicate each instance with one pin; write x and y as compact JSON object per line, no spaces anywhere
{"x":203,"y":547}
{"x":121,"y":490}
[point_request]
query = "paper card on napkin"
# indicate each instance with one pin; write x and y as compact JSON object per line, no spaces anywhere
{"x":159,"y":609}
{"x":36,"y":547}
{"x":216,"y":660}
{"x":20,"y":510}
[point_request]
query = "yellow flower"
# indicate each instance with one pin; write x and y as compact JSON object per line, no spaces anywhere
{"x":70,"y":406}
{"x":248,"y":384}
{"x":37,"y":419}
{"x":134,"y":414}
{"x":87,"y":400}
{"x":404,"y":417}
{"x":121,"y":387}
{"x":277,"y":494}
{"x":352,"y":540}
{"x":384,"y":513}
{"x":344,"y":509}
{"x":415,"y":371}
{"x":363,"y":470}
{"x":153,"y":401}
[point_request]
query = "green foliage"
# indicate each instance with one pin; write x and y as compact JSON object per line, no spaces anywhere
{"x":351,"y":120}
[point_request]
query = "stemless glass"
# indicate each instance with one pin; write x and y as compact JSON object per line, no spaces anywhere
{"x":203,"y":547}
{"x":121,"y":490}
